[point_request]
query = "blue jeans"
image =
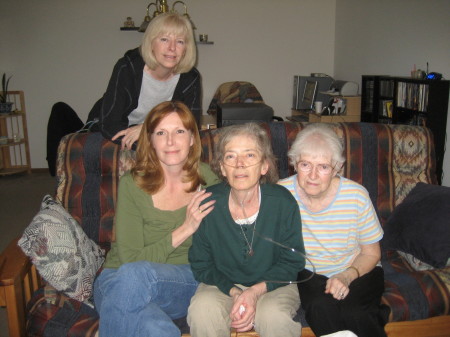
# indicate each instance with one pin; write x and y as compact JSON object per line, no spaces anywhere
{"x":141,"y":299}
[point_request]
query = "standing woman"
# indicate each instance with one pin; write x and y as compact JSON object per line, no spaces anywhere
{"x":341,"y":232}
{"x":161,"y":69}
{"x":147,"y":281}
{"x":245,"y":277}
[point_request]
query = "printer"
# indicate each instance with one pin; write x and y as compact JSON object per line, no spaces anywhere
{"x":343,"y":88}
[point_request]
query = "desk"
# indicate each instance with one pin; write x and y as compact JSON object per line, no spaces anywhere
{"x":208,"y":122}
{"x":352,"y":113}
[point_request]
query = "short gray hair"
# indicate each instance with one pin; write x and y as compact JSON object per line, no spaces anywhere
{"x":262,"y":141}
{"x":317,"y":138}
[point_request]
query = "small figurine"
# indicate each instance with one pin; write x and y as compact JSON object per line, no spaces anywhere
{"x":129,"y":22}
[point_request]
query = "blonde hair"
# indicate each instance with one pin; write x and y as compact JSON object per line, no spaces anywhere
{"x":147,"y":171}
{"x":170,"y":23}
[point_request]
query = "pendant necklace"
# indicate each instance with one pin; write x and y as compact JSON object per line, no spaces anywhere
{"x":247,"y":221}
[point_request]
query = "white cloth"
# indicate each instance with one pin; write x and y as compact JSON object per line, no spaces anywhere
{"x":343,"y":333}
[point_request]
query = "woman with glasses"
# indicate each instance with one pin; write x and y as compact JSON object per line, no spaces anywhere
{"x":341,"y":233}
{"x":244,"y":277}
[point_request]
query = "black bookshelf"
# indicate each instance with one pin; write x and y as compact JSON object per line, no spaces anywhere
{"x":376,"y":92}
{"x":404,"y":100}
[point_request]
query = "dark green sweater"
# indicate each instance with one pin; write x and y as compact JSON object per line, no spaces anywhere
{"x":218,"y":254}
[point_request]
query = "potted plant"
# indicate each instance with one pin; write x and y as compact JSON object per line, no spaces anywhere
{"x":5,"y":106}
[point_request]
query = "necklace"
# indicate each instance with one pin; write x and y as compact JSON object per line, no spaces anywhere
{"x":246,"y":221}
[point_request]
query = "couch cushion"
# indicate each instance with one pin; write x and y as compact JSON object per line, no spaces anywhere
{"x":420,"y":225}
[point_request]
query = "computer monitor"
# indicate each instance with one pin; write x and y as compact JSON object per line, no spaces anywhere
{"x":309,"y":93}
{"x":323,"y":85}
{"x":240,"y":113}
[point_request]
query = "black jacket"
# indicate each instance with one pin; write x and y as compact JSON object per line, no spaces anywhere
{"x":122,"y":95}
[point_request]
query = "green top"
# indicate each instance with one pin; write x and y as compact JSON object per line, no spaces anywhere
{"x":144,"y":232}
{"x":219,"y":252}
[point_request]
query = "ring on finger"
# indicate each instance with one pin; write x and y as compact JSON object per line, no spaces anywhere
{"x":342,"y":295}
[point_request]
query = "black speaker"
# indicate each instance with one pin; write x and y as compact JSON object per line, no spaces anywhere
{"x":240,"y":113}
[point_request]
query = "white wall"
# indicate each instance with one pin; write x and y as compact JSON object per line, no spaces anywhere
{"x":65,"y":50}
{"x":387,"y":37}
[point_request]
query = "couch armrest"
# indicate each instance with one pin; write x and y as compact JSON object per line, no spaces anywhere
{"x":18,"y":280}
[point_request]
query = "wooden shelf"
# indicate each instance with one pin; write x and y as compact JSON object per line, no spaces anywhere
{"x":15,"y":155}
{"x":137,"y":28}
{"x":13,"y":170}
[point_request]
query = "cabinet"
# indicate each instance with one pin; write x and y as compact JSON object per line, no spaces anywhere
{"x":14,"y":147}
{"x":377,"y":98}
{"x":352,"y":113}
{"x":404,"y":100}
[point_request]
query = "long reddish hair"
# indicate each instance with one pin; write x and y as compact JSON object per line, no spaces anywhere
{"x":147,"y":171}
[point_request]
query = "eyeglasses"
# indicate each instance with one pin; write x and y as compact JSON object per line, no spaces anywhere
{"x":306,"y":166}
{"x":247,"y":159}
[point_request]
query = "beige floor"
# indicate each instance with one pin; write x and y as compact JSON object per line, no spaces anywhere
{"x":20,"y":197}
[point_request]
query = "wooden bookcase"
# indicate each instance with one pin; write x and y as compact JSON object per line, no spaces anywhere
{"x":404,"y":100}
{"x":15,"y":154}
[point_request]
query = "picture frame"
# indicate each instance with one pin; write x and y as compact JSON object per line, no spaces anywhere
{"x":309,"y":93}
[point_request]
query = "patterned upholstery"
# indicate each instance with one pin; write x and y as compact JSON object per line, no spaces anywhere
{"x":387,"y":159}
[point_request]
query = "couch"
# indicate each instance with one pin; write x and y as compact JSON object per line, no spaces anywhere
{"x":389,"y":160}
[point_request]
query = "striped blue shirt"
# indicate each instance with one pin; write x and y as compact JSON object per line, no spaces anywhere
{"x":333,"y":236}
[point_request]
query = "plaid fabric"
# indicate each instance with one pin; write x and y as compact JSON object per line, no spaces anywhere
{"x":234,"y":92}
{"x":88,"y":173}
{"x":387,"y":159}
{"x":53,"y":314}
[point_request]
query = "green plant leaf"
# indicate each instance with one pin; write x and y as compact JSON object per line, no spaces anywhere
{"x":5,"y":84}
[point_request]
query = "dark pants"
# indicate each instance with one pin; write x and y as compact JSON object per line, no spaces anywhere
{"x":360,"y":312}
{"x":63,"y":120}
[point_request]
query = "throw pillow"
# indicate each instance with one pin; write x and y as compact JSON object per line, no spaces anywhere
{"x":62,"y":253}
{"x":420,"y":225}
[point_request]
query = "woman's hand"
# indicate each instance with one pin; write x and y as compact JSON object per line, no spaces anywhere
{"x":195,"y":213}
{"x":194,"y":216}
{"x":365,"y":261}
{"x":338,"y":284}
{"x":130,"y":136}
{"x":244,"y":308}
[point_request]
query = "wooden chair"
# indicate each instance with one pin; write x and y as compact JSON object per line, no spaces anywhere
{"x":18,"y":280}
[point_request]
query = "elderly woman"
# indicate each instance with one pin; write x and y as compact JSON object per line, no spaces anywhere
{"x":147,"y":281}
{"x":341,"y":232}
{"x":244,"y":276}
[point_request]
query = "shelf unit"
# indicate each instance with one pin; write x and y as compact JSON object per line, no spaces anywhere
{"x":412,"y":101}
{"x":137,"y":28}
{"x":15,"y":154}
{"x":376,"y":92}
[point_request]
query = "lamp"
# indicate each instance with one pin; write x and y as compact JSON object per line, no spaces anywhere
{"x":161,"y":6}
